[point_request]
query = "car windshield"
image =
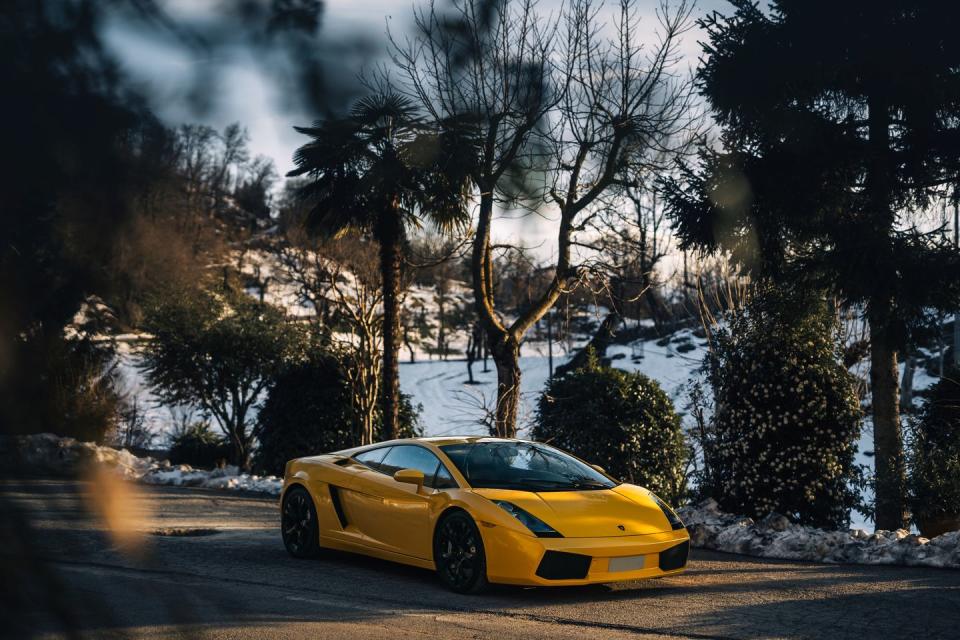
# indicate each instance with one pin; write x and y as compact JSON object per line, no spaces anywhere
{"x":523,"y":466}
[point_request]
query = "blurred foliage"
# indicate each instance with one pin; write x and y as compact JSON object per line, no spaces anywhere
{"x":620,"y":420}
{"x":69,"y":388}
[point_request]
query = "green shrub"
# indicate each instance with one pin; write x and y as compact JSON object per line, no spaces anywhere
{"x":216,"y":349}
{"x":619,"y":420}
{"x":308,"y":411}
{"x":934,"y":452}
{"x":199,"y":447}
{"x":786,"y":415}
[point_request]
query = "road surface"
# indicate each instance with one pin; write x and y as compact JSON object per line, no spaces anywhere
{"x":230,"y":577}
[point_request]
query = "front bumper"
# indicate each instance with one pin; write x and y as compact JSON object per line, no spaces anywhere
{"x":516,"y":558}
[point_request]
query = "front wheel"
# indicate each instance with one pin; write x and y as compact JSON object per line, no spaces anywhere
{"x":298,"y":524}
{"x":458,"y":554}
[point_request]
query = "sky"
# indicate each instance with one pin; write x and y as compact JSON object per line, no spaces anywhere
{"x":245,"y":85}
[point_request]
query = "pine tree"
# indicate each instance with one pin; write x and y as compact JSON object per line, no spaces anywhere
{"x":839,"y":123}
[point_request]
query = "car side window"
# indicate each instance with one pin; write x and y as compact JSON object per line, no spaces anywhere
{"x":443,"y":479}
{"x":373,"y":457}
{"x":415,"y":457}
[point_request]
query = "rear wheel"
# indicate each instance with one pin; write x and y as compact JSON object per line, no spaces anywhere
{"x":298,"y":524}
{"x":458,"y":554}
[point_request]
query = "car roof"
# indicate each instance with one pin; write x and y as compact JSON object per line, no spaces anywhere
{"x":436,"y":441}
{"x":440,"y":441}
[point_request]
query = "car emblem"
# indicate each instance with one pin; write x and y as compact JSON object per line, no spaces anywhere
{"x":621,"y":527}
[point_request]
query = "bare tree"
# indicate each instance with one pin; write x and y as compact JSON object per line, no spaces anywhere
{"x":549,"y":97}
{"x":344,"y":274}
{"x":632,"y":237}
{"x":131,"y":430}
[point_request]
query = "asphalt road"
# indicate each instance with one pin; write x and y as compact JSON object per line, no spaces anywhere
{"x":234,"y":579}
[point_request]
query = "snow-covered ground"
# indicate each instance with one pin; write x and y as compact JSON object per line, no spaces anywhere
{"x":451,"y":405}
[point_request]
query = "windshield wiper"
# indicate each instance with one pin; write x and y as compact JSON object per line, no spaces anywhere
{"x":589,"y":484}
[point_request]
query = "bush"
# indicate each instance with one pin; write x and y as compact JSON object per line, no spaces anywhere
{"x":216,"y":349}
{"x":786,"y":415}
{"x":308,"y":411}
{"x":934,"y":452}
{"x":622,"y":421}
{"x":199,"y":447}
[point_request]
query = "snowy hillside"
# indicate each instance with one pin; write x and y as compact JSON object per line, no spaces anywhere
{"x":451,"y":405}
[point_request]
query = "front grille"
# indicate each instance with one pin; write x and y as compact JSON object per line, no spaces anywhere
{"x":558,"y":565}
{"x":674,"y":557}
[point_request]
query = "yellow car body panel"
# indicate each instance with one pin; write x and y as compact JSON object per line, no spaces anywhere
{"x":361,"y":510}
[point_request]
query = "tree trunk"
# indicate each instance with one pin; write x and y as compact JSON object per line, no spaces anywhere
{"x":906,"y":384}
{"x":956,"y":316}
{"x":890,"y":505}
{"x":239,"y":458}
{"x":441,"y":329}
{"x":506,"y":357}
{"x":474,"y":342}
{"x":470,"y":358}
{"x":887,"y":436}
{"x":390,"y":237}
{"x":550,"y":344}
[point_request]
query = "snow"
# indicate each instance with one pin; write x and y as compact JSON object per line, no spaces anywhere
{"x":229,"y":478}
{"x":776,"y":537}
{"x":451,"y":405}
{"x":49,"y":453}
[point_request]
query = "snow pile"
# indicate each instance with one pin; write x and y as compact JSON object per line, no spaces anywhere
{"x":776,"y":537}
{"x":47,"y":453}
{"x":183,"y":475}
{"x":52,"y":454}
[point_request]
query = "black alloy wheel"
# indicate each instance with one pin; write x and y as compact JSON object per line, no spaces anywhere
{"x":458,"y":554}
{"x":298,"y":524}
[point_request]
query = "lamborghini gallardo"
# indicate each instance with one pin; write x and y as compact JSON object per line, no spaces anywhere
{"x":479,"y":510}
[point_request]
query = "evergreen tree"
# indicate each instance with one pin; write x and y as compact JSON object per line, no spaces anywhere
{"x":839,"y":123}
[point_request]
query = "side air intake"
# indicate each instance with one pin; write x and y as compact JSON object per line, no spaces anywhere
{"x":335,"y":499}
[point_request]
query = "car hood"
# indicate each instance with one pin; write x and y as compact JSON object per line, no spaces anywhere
{"x":625,"y":510}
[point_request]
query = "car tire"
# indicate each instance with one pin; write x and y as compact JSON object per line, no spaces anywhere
{"x":298,"y":523}
{"x":458,"y":553}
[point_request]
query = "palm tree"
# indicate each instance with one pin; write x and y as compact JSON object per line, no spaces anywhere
{"x":380,"y":170}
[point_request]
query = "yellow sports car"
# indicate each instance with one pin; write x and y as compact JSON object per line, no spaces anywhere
{"x":481,"y":510}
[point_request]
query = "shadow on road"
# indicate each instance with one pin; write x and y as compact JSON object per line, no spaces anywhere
{"x":240,"y":577}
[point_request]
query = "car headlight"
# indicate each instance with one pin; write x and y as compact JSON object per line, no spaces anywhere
{"x":672,"y":518}
{"x":539,"y":528}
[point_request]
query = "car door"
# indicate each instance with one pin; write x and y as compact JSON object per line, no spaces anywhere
{"x":393,"y":515}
